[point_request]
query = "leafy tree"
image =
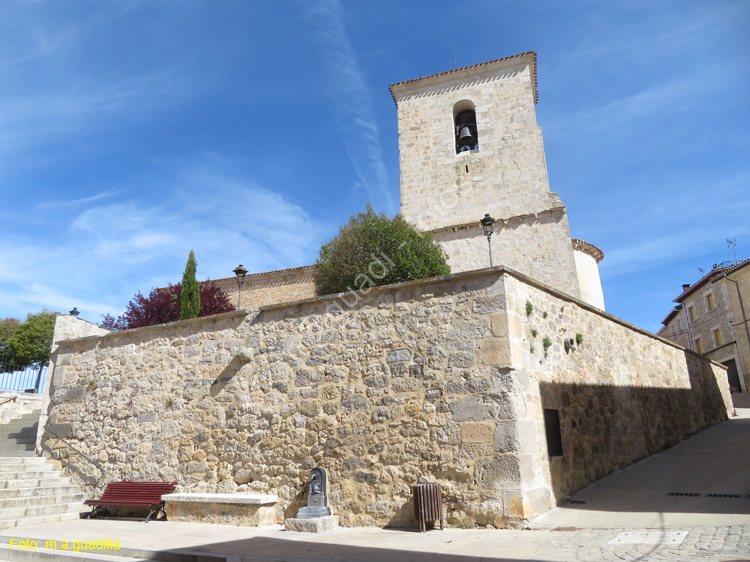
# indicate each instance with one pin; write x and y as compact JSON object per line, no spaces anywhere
{"x":371,"y":250}
{"x":163,"y":305}
{"x":8,"y":327}
{"x":27,"y":343}
{"x":190,"y":299}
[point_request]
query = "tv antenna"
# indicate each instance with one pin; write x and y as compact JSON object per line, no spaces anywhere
{"x":732,"y":243}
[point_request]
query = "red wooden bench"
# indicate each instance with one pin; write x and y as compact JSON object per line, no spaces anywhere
{"x":137,"y":494}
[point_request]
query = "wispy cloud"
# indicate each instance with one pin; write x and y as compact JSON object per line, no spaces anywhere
{"x":74,"y":202}
{"x":349,"y":90}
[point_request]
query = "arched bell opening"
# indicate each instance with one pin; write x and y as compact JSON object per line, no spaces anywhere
{"x":465,"y":126}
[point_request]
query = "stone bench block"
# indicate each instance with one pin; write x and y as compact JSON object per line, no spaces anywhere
{"x":252,"y":510}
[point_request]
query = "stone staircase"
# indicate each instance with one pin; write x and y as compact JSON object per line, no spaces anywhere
{"x":18,"y":436}
{"x":31,"y":490}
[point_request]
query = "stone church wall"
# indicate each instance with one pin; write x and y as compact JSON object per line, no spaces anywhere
{"x":431,"y":379}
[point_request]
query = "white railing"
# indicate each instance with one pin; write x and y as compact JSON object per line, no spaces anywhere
{"x":22,"y":379}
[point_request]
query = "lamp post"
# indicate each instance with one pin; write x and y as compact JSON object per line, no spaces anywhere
{"x":240,"y":272}
{"x":488,"y":224}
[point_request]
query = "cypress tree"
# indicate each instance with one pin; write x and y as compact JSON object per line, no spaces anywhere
{"x":190,"y":298}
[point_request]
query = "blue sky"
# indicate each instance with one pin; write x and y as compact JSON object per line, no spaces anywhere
{"x":134,"y":131}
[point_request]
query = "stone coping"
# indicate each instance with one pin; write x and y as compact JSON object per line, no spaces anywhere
{"x":248,"y":499}
{"x":498,"y":270}
{"x":21,"y":395}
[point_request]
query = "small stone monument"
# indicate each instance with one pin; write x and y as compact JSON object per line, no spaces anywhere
{"x":317,"y":516}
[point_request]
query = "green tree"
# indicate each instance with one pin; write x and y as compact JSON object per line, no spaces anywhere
{"x":27,"y":343}
{"x":190,"y":298}
{"x":371,"y":250}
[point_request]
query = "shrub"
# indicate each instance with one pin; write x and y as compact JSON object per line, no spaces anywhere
{"x":190,"y":299}
{"x":372,"y":250}
{"x":163,"y":305}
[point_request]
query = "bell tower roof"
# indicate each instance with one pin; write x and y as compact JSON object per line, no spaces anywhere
{"x":467,"y":71}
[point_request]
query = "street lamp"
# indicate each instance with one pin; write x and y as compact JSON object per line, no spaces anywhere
{"x":74,"y":312}
{"x":488,"y":224}
{"x":240,"y":272}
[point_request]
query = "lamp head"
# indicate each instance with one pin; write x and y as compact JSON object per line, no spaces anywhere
{"x":240,"y":272}
{"x":488,"y":224}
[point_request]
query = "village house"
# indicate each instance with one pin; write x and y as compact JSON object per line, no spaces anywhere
{"x":711,"y":318}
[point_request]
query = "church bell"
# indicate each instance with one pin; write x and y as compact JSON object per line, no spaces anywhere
{"x":466,"y":140}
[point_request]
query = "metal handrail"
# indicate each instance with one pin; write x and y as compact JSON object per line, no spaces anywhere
{"x":729,"y":263}
{"x":11,"y":399}
{"x":47,"y":428}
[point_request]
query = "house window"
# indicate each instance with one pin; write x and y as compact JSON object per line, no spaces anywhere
{"x":691,"y":313}
{"x":698,"y":346}
{"x":710,"y":304}
{"x":717,"y":337}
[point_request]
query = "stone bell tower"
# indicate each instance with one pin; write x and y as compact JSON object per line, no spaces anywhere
{"x":470,"y":145}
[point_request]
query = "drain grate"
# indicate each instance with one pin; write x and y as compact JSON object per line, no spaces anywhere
{"x":699,"y":494}
{"x":663,"y":538}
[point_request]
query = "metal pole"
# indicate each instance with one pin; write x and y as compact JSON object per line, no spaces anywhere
{"x":489,"y":244}
{"x":687,"y":328}
{"x":38,"y":379}
{"x":239,"y":299}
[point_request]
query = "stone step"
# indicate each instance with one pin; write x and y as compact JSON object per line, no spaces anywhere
{"x":6,"y":430}
{"x":9,"y":451}
{"x":33,"y":483}
{"x":42,"y":554}
{"x":18,"y":425}
{"x":16,"y":439}
{"x":33,"y":416}
{"x":48,"y":490}
{"x":25,"y":434}
{"x":59,"y":498}
{"x":108,"y":554}
{"x":39,"y":520}
{"x":35,"y":472}
{"x":26,"y":461}
{"x":8,"y":468}
{"x":20,"y":454}
{"x":38,"y":510}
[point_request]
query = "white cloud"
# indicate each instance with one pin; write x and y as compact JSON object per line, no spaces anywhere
{"x":112,"y":250}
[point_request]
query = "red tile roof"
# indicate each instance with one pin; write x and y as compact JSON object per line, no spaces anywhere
{"x":711,"y":276}
{"x":272,"y":272}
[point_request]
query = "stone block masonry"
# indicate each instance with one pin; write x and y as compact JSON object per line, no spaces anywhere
{"x":432,"y":379}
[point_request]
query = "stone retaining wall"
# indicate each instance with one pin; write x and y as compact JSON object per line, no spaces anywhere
{"x":432,"y":379}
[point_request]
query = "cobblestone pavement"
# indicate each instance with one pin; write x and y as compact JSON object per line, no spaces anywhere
{"x":711,"y":544}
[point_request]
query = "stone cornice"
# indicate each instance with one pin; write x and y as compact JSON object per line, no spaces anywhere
{"x":502,"y":222}
{"x":497,"y":271}
{"x":588,"y":249}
